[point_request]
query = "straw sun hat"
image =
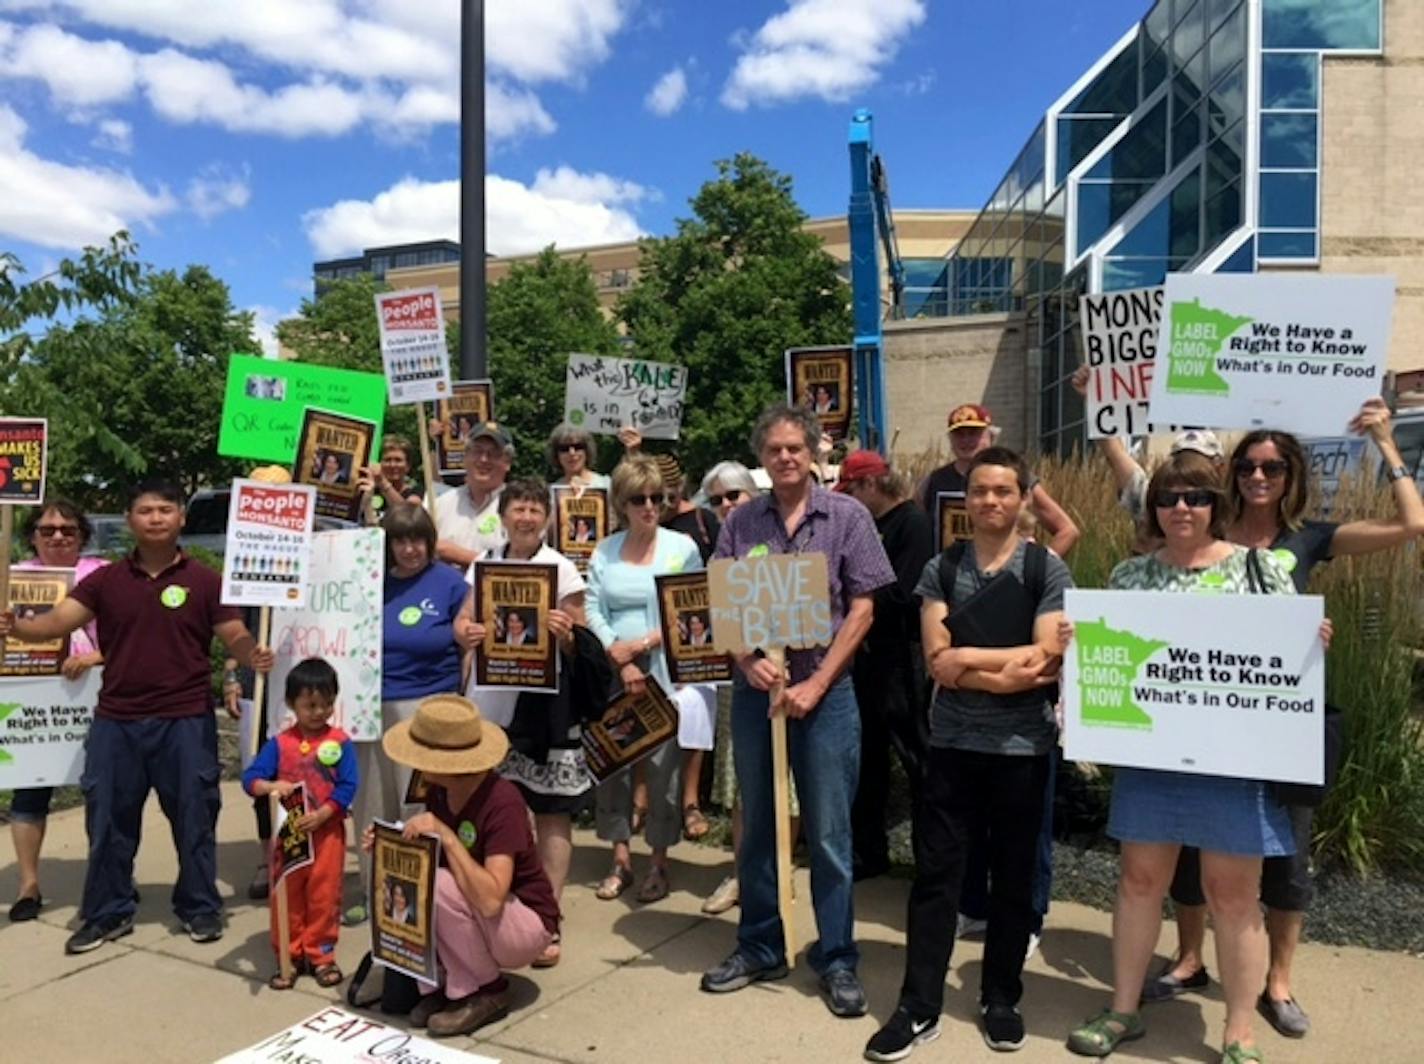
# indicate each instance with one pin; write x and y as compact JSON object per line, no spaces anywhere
{"x":447,"y":737}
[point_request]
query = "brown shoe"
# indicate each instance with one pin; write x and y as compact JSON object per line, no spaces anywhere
{"x":426,"y":1007}
{"x":469,"y":1014}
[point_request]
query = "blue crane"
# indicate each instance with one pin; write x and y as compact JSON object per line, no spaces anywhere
{"x":869,"y":215}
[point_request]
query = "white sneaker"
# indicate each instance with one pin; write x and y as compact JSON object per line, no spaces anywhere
{"x":727,"y":894}
{"x":1033,"y":941}
{"x":968,"y":926}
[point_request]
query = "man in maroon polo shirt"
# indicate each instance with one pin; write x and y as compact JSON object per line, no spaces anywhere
{"x":154,"y":729}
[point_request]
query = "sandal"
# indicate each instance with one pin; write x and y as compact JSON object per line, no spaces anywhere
{"x":1236,"y":1053}
{"x":1105,"y":1032}
{"x":550,"y":957}
{"x":328,"y":975}
{"x":694,"y":824}
{"x":282,"y":982}
{"x":655,"y":885}
{"x":615,"y":883}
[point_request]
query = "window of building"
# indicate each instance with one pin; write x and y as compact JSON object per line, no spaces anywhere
{"x":1331,"y":25}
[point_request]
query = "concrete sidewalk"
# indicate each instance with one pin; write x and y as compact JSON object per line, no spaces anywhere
{"x":627,"y":987}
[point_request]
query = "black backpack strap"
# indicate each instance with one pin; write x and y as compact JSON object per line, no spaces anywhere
{"x":949,"y":560}
{"x":1036,"y":571}
{"x":1255,"y":575}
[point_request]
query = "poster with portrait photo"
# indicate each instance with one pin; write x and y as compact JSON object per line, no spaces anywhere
{"x":952,"y":518}
{"x":402,"y":901}
{"x":631,"y":728}
{"x":512,"y":601}
{"x":34,"y":592}
{"x":821,"y":379}
{"x":685,"y":617}
{"x":332,"y":449}
{"x":471,"y":403}
{"x":580,"y":521}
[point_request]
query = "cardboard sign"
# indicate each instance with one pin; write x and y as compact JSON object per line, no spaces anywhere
{"x":470,"y":404}
{"x":32,"y":593}
{"x":341,"y":622}
{"x":952,"y":518}
{"x":603,"y":393}
{"x":1298,"y":352}
{"x":268,"y":553}
{"x":631,"y":728}
{"x":770,"y":600}
{"x":413,"y":350}
{"x":43,"y":724}
{"x":23,"y":447}
{"x":685,"y":616}
{"x":334,"y":448}
{"x":266,"y":398}
{"x":291,"y":846}
{"x":512,"y":601}
{"x":821,"y":379}
{"x":402,"y":901}
{"x":1120,"y":349}
{"x":580,"y":521}
{"x":335,"y":1036}
{"x":1224,"y":685}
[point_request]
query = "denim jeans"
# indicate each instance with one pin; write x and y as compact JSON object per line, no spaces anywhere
{"x":824,"y":749}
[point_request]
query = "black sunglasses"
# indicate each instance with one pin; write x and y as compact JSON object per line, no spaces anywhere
{"x":1196,"y":498}
{"x":656,"y":498}
{"x":1271,"y":469}
{"x":731,"y":495}
{"x":565,"y":448}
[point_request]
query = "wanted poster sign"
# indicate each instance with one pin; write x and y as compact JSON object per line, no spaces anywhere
{"x":269,"y":544}
{"x":952,"y":518}
{"x":413,"y":350}
{"x":32,"y":593}
{"x":470,"y":403}
{"x":580,"y":521}
{"x":820,"y":379}
{"x":632,"y":727}
{"x":1120,"y":348}
{"x":23,"y":444}
{"x":333,"y":449}
{"x":685,"y":617}
{"x":402,"y":901}
{"x":512,"y":601}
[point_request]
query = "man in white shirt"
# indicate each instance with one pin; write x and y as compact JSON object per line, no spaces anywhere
{"x":467,"y":520}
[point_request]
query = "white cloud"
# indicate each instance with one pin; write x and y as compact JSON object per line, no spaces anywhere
{"x":77,"y":71}
{"x":667,"y":93}
{"x":561,"y":207}
{"x":264,"y":324}
{"x":59,"y":206}
{"x":217,"y":190}
{"x":822,"y":48}
{"x":114,"y":135}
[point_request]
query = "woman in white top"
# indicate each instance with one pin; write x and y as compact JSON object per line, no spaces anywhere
{"x":573,"y":452}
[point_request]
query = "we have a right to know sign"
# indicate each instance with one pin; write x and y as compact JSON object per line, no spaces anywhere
{"x":1223,"y":685}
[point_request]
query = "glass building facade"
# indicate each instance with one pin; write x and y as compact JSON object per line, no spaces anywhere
{"x":1192,"y":145}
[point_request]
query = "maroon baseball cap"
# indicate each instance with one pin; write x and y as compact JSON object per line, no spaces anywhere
{"x":970,"y":416}
{"x":861,"y":464}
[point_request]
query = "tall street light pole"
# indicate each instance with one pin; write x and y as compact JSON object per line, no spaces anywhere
{"x":474,"y":363}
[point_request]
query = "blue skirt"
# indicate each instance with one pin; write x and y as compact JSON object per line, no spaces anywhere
{"x":1214,"y":813}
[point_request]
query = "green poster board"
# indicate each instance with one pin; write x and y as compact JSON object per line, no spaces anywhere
{"x":266,"y":398}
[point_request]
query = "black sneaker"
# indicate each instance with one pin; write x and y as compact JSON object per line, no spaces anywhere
{"x":1003,"y":1027}
{"x":205,"y":927}
{"x":844,"y":994}
{"x":96,"y":932}
{"x":738,"y":971}
{"x":900,"y":1035}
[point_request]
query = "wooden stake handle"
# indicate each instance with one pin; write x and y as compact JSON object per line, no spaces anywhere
{"x":7,"y":533}
{"x":259,"y":681}
{"x":781,"y":795}
{"x":284,"y":930}
{"x":426,"y":464}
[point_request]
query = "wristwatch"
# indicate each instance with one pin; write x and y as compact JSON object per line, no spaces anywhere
{"x":1396,"y":473}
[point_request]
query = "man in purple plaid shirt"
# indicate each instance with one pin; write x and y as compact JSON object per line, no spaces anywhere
{"x":823,"y":725}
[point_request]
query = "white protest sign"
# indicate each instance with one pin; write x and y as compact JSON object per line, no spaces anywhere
{"x":268,"y":553}
{"x":1294,"y":352}
{"x":341,"y":622}
{"x":335,"y":1036}
{"x":1119,"y":348}
{"x":1223,"y":685}
{"x":602,"y":394}
{"x":770,"y":601}
{"x":413,"y":350}
{"x":1332,"y":458}
{"x":43,"y":723}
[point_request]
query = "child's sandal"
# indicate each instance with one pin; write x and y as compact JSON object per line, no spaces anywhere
{"x":328,"y":975}
{"x":282,"y":982}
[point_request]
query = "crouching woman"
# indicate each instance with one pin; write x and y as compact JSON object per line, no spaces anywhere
{"x":496,"y":908}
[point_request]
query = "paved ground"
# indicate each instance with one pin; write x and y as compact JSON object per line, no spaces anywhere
{"x":627,"y":989}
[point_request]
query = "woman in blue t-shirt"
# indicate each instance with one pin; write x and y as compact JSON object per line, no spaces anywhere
{"x":420,"y":656}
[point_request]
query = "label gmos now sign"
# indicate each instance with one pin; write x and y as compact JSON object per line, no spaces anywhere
{"x":1180,"y":683}
{"x":1242,"y":351}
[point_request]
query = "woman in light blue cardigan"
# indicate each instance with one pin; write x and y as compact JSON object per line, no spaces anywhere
{"x":623,"y":612}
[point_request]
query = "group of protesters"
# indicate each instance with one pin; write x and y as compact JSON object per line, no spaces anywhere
{"x":969,"y":710}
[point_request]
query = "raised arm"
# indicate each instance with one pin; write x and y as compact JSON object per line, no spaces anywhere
{"x":1062,"y":532}
{"x":1363,"y":537}
{"x":1124,"y":469}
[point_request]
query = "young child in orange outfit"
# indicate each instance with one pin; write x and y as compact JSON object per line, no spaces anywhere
{"x":312,"y":752}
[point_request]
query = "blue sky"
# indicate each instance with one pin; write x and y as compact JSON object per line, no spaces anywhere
{"x":257,"y":137}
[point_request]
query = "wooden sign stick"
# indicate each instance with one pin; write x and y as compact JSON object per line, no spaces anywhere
{"x":7,"y":533}
{"x":284,"y":930}
{"x":426,"y":464}
{"x":781,"y":796}
{"x":259,"y":680}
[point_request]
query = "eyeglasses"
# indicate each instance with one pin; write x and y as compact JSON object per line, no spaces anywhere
{"x":1271,"y":469}
{"x":1196,"y":498}
{"x":657,"y":499}
{"x":565,"y":448}
{"x":55,"y":531}
{"x":731,"y":495}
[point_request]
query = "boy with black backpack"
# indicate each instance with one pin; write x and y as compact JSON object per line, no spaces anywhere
{"x":989,"y":621}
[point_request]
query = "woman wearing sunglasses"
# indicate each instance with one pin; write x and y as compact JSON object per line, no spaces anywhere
{"x":573,"y":452}
{"x":1234,"y":822}
{"x":623,"y":612}
{"x":1269,"y":482}
{"x":57,"y":531}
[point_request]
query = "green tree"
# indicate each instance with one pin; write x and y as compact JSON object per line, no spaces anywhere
{"x":536,"y":316}
{"x":737,"y":284}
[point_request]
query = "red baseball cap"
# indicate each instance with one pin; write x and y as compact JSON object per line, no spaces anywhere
{"x":861,"y":464}
{"x":970,"y":416}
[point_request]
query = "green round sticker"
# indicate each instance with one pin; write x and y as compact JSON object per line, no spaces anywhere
{"x":410,"y":616}
{"x":761,"y":550}
{"x":576,"y":417}
{"x":466,"y":832}
{"x":1287,"y":559}
{"x":1211,"y":581}
{"x":173,"y":596}
{"x":329,"y":752}
{"x":488,"y":524}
